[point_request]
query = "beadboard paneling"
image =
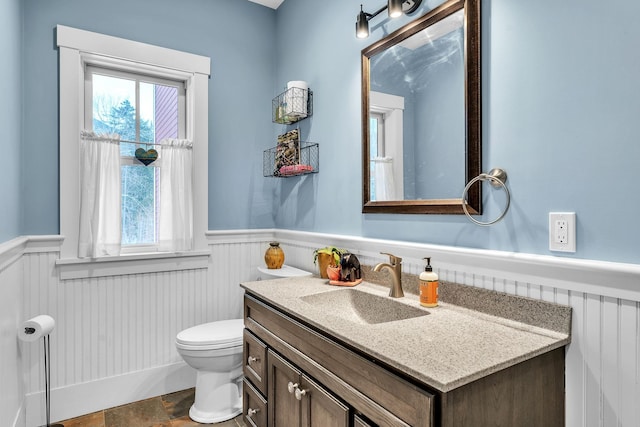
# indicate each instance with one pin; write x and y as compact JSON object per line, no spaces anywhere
{"x":110,"y":327}
{"x":113,"y":325}
{"x":11,"y":363}
{"x":603,"y":359}
{"x":116,"y":327}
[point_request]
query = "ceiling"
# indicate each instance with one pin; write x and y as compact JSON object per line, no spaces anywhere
{"x":273,"y":4}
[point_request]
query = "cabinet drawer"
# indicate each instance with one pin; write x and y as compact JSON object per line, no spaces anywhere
{"x":255,"y":361}
{"x":254,"y":406}
{"x":360,"y":422}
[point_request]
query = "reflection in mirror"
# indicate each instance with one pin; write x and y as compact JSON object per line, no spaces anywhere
{"x":421,"y":135}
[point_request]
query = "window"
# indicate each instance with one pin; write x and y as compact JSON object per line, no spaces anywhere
{"x":386,"y":113}
{"x":376,"y":146}
{"x":127,"y":82}
{"x":140,"y":109}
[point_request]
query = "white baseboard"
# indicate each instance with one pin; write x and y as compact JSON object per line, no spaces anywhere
{"x":85,"y":398}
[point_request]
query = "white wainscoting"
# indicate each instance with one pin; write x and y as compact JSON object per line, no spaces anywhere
{"x":114,"y":336}
{"x":12,"y":412}
{"x":603,"y":359}
{"x":113,"y":342}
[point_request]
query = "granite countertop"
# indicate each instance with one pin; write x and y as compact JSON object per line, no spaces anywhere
{"x":451,"y":346}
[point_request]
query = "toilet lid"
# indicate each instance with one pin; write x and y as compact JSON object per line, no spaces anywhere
{"x":224,"y":333}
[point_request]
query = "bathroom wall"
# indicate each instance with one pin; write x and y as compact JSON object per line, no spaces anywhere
{"x":116,"y":333}
{"x":12,"y":394}
{"x":236,"y":35}
{"x":559,"y":104}
{"x":10,"y":119}
{"x":114,"y":340}
{"x":557,"y":111}
{"x":602,"y":378}
{"x":560,"y":95}
{"x":12,"y":409}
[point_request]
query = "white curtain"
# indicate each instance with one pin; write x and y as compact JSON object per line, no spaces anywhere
{"x":176,"y":195}
{"x":383,"y":176}
{"x":100,"y":199}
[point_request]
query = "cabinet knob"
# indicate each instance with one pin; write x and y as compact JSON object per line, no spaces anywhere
{"x":252,"y":412}
{"x":251,"y":359}
{"x":300,"y":393}
{"x":292,"y":387}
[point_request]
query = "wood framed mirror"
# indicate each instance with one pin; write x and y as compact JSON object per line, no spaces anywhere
{"x":421,"y":114}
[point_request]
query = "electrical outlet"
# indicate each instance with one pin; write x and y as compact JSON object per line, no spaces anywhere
{"x":562,"y":231}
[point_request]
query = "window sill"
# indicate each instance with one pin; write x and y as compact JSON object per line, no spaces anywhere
{"x":81,"y":268}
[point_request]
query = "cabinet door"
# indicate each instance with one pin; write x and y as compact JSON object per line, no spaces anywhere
{"x":318,"y":407}
{"x":283,"y":379}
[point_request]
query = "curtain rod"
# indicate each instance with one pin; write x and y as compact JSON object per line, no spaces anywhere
{"x":129,"y":142}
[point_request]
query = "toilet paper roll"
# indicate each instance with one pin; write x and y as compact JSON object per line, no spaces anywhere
{"x":296,"y":99}
{"x":36,"y":328}
{"x":298,"y":83}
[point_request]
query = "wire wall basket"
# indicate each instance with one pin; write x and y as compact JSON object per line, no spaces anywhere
{"x":292,"y":105}
{"x":302,"y":161}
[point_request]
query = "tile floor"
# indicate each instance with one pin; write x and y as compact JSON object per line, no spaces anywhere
{"x":169,"y":410}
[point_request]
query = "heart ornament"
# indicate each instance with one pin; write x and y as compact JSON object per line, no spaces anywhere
{"x":146,"y":157}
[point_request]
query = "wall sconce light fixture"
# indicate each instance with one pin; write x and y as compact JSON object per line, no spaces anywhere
{"x":395,"y":8}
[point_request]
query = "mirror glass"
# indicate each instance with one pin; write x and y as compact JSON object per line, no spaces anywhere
{"x":421,"y":114}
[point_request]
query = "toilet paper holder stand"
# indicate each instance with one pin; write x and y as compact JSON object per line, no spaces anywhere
{"x":47,"y":375}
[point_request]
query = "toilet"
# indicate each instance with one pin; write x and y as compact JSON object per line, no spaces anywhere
{"x":279,"y":273}
{"x":214,"y":350}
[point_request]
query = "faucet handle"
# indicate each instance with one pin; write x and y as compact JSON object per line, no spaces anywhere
{"x":392,"y":258}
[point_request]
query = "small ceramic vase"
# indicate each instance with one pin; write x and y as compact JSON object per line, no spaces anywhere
{"x":324,"y":261}
{"x":333,"y":272}
{"x":274,"y":256}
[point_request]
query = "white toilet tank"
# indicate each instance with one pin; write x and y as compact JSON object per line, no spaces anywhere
{"x":279,"y":273}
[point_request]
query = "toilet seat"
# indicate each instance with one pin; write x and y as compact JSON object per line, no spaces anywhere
{"x":212,"y":336}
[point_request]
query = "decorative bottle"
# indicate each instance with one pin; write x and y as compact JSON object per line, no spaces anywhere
{"x":274,"y":256}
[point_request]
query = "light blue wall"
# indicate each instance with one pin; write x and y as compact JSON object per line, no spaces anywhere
{"x":440,"y":156}
{"x":240,"y":91}
{"x":561,"y":100}
{"x":430,"y":81}
{"x":10,"y":83}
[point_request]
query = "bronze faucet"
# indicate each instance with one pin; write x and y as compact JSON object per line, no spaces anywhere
{"x":395,"y":267}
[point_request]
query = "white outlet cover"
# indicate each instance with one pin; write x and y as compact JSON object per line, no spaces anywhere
{"x":568,"y":218}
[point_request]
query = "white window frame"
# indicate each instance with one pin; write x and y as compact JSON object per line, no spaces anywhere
{"x":379,"y":131}
{"x":130,"y":160}
{"x":78,"y":48}
{"x":392,"y":109}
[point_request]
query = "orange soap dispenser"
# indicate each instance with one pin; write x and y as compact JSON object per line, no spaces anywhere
{"x":428,"y":286}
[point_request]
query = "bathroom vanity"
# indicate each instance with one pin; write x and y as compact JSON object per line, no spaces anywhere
{"x":319,"y":355}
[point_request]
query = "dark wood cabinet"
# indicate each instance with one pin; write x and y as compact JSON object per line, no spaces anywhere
{"x":308,"y":378}
{"x":359,"y":422}
{"x":254,"y":406}
{"x":294,"y":399}
{"x":255,"y":361}
{"x":284,"y":409}
{"x":343,"y":384}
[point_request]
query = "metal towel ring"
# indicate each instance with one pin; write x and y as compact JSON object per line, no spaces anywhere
{"x":497,"y":178}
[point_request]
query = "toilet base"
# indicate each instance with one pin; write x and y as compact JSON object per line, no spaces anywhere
{"x":218,"y":403}
{"x":217,"y":417}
